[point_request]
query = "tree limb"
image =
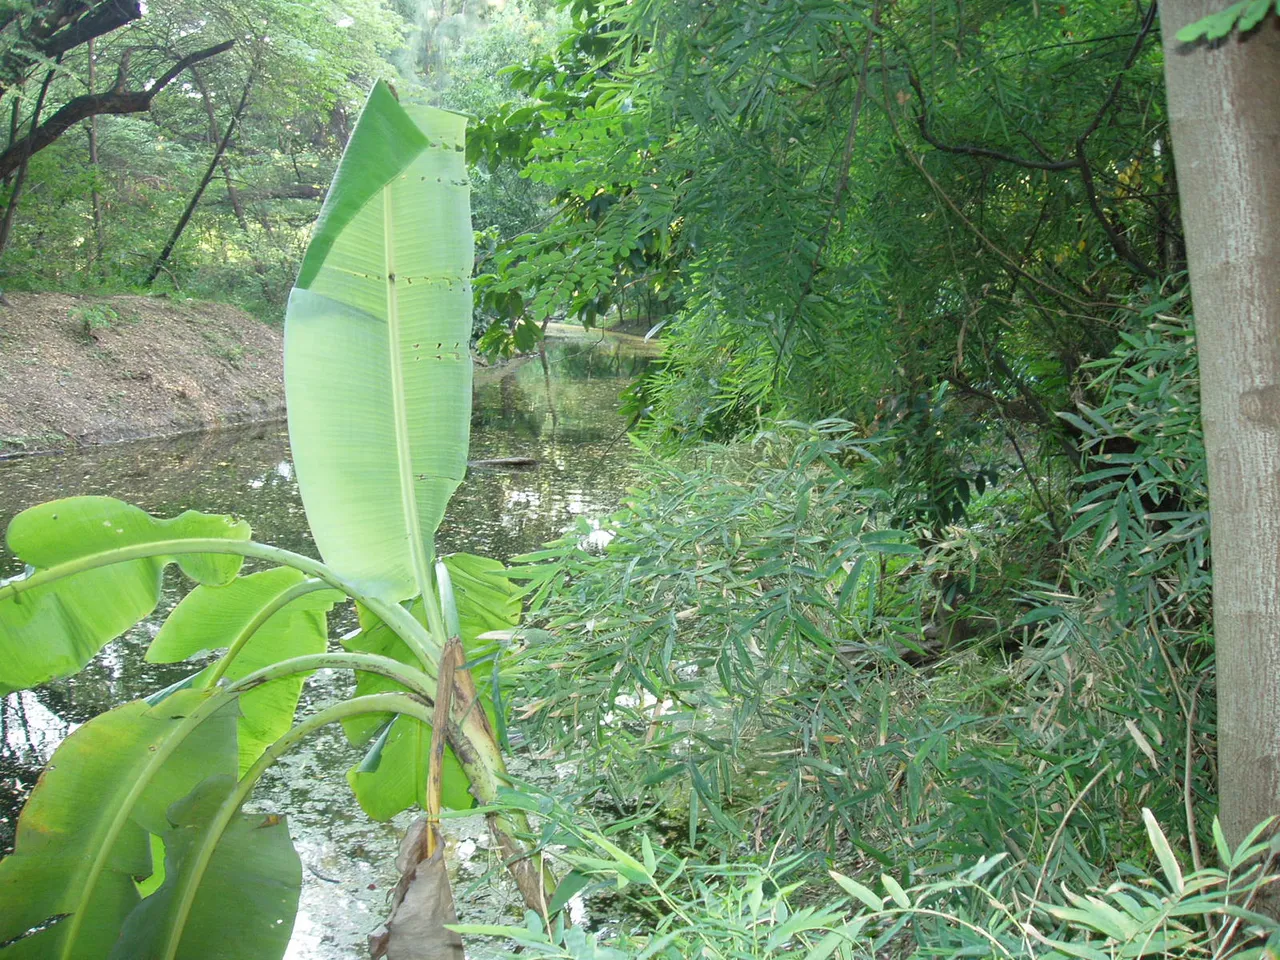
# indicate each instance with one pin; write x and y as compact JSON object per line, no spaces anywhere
{"x":16,"y":194}
{"x":1118,"y":241}
{"x":80,"y":108}
{"x":48,"y":30}
{"x":195,"y":198}
{"x":102,"y":19}
{"x":975,"y":151}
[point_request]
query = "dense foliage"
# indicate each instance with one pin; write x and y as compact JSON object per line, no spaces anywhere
{"x":965,"y":611}
{"x":98,"y":205}
{"x":917,"y":589}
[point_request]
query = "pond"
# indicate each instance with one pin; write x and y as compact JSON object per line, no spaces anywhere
{"x":560,"y":409}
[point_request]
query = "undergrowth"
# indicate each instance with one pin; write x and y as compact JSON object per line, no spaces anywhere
{"x":773,"y":669}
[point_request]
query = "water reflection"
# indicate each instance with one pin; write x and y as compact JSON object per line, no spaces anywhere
{"x":559,"y":408}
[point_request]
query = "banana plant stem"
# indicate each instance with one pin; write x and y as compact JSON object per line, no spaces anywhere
{"x":266,"y":613}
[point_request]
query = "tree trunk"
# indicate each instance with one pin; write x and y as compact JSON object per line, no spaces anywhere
{"x":93,"y":166}
{"x":1226,"y":141}
{"x":204,"y":182}
{"x":232,"y":193}
{"x":6,"y":226}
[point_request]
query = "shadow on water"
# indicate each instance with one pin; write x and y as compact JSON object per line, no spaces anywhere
{"x":560,"y":409}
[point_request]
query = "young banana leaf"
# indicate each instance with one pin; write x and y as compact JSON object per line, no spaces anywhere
{"x":378,"y":384}
{"x":377,"y":359}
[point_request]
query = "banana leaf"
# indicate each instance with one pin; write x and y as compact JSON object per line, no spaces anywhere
{"x":84,"y":837}
{"x":392,"y":777}
{"x":377,"y":359}
{"x":210,"y":618}
{"x":54,"y":630}
{"x":246,"y":895}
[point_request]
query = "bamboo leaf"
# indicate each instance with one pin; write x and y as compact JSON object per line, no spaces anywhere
{"x":1164,"y":853}
{"x":854,"y":888}
{"x":895,"y":890}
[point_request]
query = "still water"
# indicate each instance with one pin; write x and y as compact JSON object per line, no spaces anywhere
{"x":560,"y":410}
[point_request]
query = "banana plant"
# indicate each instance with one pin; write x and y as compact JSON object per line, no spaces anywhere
{"x":134,"y":843}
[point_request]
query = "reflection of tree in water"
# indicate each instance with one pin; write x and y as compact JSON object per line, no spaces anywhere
{"x":548,"y":386}
{"x":571,"y":394}
{"x":600,"y":359}
{"x":20,"y":763}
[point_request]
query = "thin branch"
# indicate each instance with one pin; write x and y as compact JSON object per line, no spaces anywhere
{"x":972,"y":150}
{"x":1013,"y":264}
{"x":1035,"y":487}
{"x":1037,"y":406}
{"x":1068,"y":163}
{"x":1148,"y":19}
{"x":1067,"y":43}
{"x":1118,"y":242}
{"x":16,"y":194}
{"x":218,"y":154}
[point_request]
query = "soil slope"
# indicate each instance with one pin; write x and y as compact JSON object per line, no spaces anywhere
{"x":82,"y":370}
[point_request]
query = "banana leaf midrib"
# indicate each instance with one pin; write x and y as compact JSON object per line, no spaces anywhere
{"x":404,"y":444}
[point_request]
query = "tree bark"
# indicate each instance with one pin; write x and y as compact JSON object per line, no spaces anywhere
{"x":1226,"y":141}
{"x":204,"y":182}
{"x":6,"y":226}
{"x":95,"y":196}
{"x":232,"y":193}
{"x":48,"y":30}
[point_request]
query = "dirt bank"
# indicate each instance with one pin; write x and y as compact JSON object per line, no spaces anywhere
{"x":83,"y":370}
{"x":78,"y":370}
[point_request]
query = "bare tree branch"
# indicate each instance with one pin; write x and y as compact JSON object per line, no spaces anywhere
{"x":1068,"y":163}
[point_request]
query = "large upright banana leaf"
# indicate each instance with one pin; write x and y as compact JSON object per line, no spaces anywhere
{"x":377,"y":365}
